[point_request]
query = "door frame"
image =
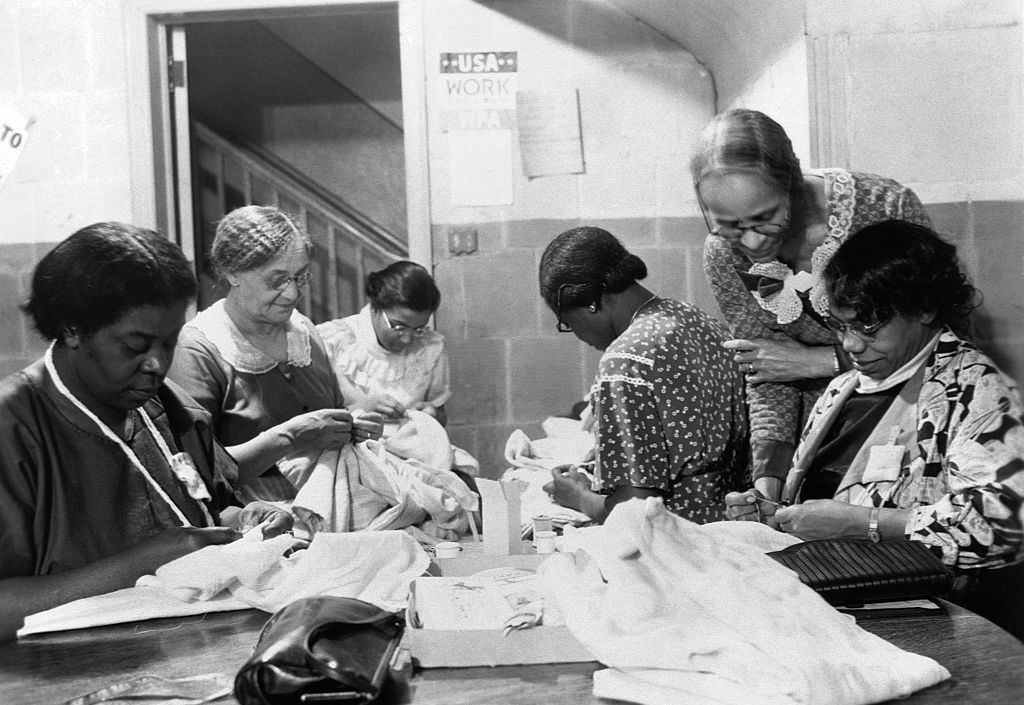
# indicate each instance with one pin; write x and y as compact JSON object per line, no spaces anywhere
{"x":149,"y":105}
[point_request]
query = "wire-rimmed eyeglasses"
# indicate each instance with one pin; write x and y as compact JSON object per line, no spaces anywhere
{"x":865,"y":332}
{"x":280,"y":283}
{"x":576,"y":289}
{"x":734,"y":232}
{"x":399,"y":328}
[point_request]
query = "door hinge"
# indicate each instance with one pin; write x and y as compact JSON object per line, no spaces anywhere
{"x":175,"y":74}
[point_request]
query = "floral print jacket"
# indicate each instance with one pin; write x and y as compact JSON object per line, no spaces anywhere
{"x":964,"y":475}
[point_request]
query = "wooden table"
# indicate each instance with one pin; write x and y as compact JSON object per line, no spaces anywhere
{"x":987,"y":663}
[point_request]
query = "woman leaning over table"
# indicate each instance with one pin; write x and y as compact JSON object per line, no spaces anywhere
{"x":923,"y":439}
{"x":667,"y":401}
{"x":255,"y":363}
{"x":773,"y":228}
{"x":107,"y":471}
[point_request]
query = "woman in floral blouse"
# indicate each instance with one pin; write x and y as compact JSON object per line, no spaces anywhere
{"x":668,"y":399}
{"x":923,"y":439}
{"x":773,"y":228}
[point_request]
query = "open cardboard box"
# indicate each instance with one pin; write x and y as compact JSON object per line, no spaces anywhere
{"x":433,"y":648}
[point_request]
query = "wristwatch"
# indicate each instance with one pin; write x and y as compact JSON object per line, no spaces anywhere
{"x":873,"y":533}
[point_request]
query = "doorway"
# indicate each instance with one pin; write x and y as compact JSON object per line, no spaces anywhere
{"x":288,"y":82}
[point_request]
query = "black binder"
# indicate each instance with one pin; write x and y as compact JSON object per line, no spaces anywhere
{"x":853,"y":572}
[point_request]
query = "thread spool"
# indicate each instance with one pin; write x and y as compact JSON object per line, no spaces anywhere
{"x":542,"y":522}
{"x":544,"y":541}
{"x":447,"y":549}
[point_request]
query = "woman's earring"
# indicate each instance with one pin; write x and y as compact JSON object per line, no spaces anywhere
{"x":593,"y":308}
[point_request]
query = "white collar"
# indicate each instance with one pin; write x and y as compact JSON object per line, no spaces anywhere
{"x":869,"y":385}
{"x":237,"y":351}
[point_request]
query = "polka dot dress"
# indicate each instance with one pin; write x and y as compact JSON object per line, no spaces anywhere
{"x":668,"y":400}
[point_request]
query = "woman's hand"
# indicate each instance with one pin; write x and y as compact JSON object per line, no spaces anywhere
{"x":368,"y":426}
{"x":569,"y":487}
{"x":770,"y":360}
{"x":318,"y":430}
{"x":174,"y":543}
{"x":385,"y":405}
{"x":426,"y":407}
{"x":751,"y":505}
{"x":824,"y":519}
{"x":273,"y":519}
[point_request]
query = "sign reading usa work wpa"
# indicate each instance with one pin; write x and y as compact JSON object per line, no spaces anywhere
{"x":480,"y":86}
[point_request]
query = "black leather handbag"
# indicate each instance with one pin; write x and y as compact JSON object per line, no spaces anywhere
{"x":321,"y":650}
{"x":854,"y":572}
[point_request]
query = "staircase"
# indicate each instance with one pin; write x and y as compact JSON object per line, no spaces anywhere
{"x":347,"y":244}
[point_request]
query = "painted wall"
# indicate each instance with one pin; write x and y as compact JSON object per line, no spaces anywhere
{"x":642,"y":99}
{"x":932,"y":94}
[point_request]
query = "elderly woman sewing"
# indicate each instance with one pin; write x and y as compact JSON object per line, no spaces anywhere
{"x":923,"y":439}
{"x":255,"y":363}
{"x":106,"y":470}
{"x":772,"y":229}
{"x":668,"y":399}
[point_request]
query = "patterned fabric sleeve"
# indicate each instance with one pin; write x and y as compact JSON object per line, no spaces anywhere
{"x":977,"y":522}
{"x":774,"y":408}
{"x":631,"y":438}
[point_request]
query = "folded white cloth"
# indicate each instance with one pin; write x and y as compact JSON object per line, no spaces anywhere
{"x":684,"y":614}
{"x":375,"y":567}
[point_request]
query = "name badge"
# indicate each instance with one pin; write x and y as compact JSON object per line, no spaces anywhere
{"x":185,"y":470}
{"x":885,"y":461}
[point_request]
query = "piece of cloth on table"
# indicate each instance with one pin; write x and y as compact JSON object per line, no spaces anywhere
{"x":367,"y":487}
{"x":376,"y":567}
{"x":683,"y":614}
{"x":531,"y":461}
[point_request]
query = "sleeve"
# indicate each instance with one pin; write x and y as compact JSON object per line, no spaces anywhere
{"x":774,"y":408}
{"x":977,"y":523}
{"x":439,"y":391}
{"x":195,"y":370}
{"x":910,"y":208}
{"x":21,"y":458}
{"x":631,"y":440}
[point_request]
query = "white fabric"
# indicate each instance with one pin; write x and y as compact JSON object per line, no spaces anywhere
{"x":375,"y":567}
{"x":364,"y":487}
{"x":681,"y":614}
{"x":215,"y":323}
{"x":531,"y":461}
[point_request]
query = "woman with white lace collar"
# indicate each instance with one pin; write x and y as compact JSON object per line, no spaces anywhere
{"x":107,"y":470}
{"x":772,"y":229}
{"x":255,"y":363}
{"x":924,"y":438}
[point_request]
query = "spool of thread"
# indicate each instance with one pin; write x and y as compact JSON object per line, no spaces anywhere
{"x":447,"y":549}
{"x":542,"y":522}
{"x":544,"y":541}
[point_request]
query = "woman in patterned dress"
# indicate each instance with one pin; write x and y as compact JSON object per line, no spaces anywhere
{"x":772,"y":229}
{"x":923,"y":439}
{"x":668,"y":398}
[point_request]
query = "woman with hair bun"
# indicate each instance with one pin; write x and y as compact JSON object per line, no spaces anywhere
{"x":668,"y":399}
{"x":386,"y":357}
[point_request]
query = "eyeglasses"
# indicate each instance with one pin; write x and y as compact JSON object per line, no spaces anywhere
{"x":400,"y":328}
{"x":864,"y":332}
{"x":734,"y":232}
{"x":281,"y":283}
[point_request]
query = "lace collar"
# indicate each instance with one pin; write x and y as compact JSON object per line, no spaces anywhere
{"x":237,"y":351}
{"x":786,"y":303}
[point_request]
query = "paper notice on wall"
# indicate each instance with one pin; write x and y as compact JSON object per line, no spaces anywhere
{"x":14,"y":128}
{"x":550,"y":138}
{"x":481,"y":167}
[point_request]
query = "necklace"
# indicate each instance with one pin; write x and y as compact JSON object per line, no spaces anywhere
{"x":639,"y":309}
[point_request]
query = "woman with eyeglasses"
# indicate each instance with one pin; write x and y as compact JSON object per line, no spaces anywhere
{"x":386,"y":357}
{"x":772,"y":230}
{"x":667,"y":400}
{"x":923,"y":438}
{"x":255,"y":363}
